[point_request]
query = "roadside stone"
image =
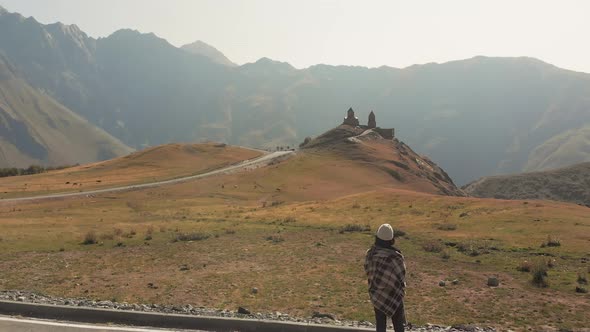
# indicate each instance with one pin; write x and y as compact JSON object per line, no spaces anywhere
{"x":243,"y":311}
{"x":254,"y":290}
{"x":493,"y":282}
{"x":442,"y":283}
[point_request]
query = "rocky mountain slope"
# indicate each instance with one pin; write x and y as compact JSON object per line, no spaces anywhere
{"x":568,"y":184}
{"x":474,"y":117}
{"x":35,"y":129}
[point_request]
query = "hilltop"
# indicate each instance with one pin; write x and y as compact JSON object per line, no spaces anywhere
{"x":567,"y":184}
{"x":407,"y":169}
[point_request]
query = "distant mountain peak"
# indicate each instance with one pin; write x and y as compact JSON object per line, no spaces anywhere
{"x":204,"y":49}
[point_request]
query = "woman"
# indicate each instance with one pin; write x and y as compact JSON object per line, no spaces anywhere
{"x":386,"y":273}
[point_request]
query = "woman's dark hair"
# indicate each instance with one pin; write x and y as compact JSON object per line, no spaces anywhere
{"x":384,"y":243}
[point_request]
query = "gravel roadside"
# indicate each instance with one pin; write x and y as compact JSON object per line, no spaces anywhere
{"x":30,"y":297}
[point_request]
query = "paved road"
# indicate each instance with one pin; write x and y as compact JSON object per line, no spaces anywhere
{"x":260,"y":161}
{"x":12,"y":324}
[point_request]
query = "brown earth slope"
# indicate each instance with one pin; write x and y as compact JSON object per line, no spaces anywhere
{"x":568,"y":184}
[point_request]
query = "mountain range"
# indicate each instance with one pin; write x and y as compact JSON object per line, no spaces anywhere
{"x":474,"y":117}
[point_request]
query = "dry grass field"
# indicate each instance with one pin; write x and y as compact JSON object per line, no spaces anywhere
{"x":153,"y":164}
{"x":283,"y":229}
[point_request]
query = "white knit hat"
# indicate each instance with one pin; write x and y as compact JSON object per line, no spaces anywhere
{"x":385,"y":232}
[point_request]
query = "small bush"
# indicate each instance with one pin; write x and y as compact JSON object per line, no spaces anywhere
{"x":551,"y":242}
{"x":394,"y":174}
{"x":582,"y":278}
{"x":447,"y":227}
{"x":539,"y":272}
{"x":398,"y":232}
{"x":356,"y":206}
{"x":90,"y":238}
{"x":117,"y":232}
{"x":354,"y":228}
{"x":580,"y":289}
{"x":190,"y":237}
{"x":230,"y":231}
{"x":289,"y":219}
{"x":432,"y":246}
{"x":525,"y":266}
{"x":276,"y":203}
{"x":148,"y":237}
{"x":275,"y":238}
{"x":445,"y":254}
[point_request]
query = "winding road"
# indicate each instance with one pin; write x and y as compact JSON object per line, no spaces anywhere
{"x":246,"y":164}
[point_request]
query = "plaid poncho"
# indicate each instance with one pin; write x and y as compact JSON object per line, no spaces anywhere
{"x":386,"y":272}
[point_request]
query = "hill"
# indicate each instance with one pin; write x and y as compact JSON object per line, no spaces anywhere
{"x":561,"y":150}
{"x":149,"y":165}
{"x":209,"y":51}
{"x":35,"y":129}
{"x":568,"y":184}
{"x":474,"y":117}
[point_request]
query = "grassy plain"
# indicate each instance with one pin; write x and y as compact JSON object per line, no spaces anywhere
{"x":279,"y":229}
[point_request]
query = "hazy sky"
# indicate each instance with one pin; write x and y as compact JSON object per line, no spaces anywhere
{"x":366,"y":33}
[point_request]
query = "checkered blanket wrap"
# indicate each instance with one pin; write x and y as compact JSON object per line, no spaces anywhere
{"x":386,"y":272}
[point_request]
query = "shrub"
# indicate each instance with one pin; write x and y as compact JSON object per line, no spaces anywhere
{"x":551,"y":242}
{"x":447,"y":227}
{"x":582,"y":278}
{"x":354,"y":228}
{"x":432,"y":246}
{"x":539,"y":272}
{"x":290,"y":219}
{"x":445,"y":254}
{"x":230,"y":231}
{"x":90,"y":238}
{"x":525,"y":266}
{"x":394,"y":174}
{"x":398,"y":232}
{"x":190,"y":237}
{"x":117,"y":231}
{"x":275,"y":238}
{"x":356,"y":206}
{"x":580,"y":289}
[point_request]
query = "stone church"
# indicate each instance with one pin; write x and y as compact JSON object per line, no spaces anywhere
{"x":352,"y":120}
